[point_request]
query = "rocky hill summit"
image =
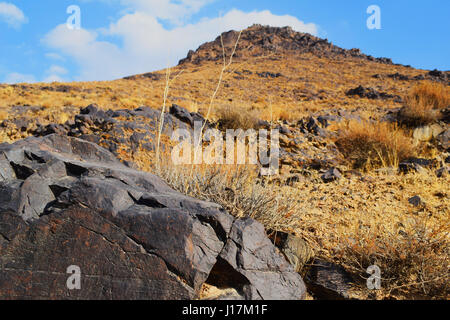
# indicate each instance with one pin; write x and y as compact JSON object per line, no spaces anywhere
{"x":259,"y":40}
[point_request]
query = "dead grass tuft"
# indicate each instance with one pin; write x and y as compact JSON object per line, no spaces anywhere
{"x":237,"y":189}
{"x":424,"y":104}
{"x":371,"y":145}
{"x":413,"y":258}
{"x":235,"y":117}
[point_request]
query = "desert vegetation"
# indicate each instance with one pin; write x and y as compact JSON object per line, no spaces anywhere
{"x":424,"y":104}
{"x":237,"y":117}
{"x":374,"y":144}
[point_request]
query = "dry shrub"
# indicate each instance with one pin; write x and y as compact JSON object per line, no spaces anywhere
{"x":235,"y":117}
{"x":369,"y":145}
{"x":413,"y":258}
{"x":237,"y":189}
{"x":284,"y":114}
{"x":424,"y":104}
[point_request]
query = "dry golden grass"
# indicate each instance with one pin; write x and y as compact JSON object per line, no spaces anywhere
{"x":413,"y":258}
{"x":424,"y":103}
{"x":370,"y":145}
{"x":3,"y":115}
{"x":237,"y":189}
{"x":236,"y":117}
{"x":282,"y":114}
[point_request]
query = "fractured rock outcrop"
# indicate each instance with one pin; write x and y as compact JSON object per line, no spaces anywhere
{"x":69,"y":202}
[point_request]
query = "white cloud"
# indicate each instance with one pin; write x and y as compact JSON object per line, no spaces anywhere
{"x":98,"y":60}
{"x":146,"y":44}
{"x":54,"y":73}
{"x":15,"y":77}
{"x":174,"y":11}
{"x":54,"y":69}
{"x":12,"y":15}
{"x":53,"y":78}
{"x":54,"y":56}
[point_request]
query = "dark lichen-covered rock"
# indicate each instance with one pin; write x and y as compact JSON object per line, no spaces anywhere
{"x":66,"y":201}
{"x":249,"y":253}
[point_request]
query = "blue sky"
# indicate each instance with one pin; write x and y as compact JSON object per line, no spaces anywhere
{"x":123,"y":37}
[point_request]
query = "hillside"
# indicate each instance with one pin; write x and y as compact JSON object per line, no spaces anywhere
{"x":364,"y":175}
{"x":296,"y":73}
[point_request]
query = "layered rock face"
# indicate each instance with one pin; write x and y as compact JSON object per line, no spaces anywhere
{"x":69,"y":202}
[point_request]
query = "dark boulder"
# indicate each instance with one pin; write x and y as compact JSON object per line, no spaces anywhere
{"x":260,"y":263}
{"x":68,"y":202}
{"x":295,"y":249}
{"x":328,"y":281}
{"x":197,"y":117}
{"x":181,"y":114}
{"x":313,"y":126}
{"x":370,"y":93}
{"x":416,"y":164}
{"x":283,"y":130}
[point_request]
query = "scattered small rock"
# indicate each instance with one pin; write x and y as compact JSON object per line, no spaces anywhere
{"x":313,"y":125}
{"x":444,"y":140}
{"x":440,"y":76}
{"x":292,"y":180}
{"x":269,"y":75}
{"x":331,"y":175}
{"x":150,"y":75}
{"x":443,"y":172}
{"x":398,"y":76}
{"x":416,"y":201}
